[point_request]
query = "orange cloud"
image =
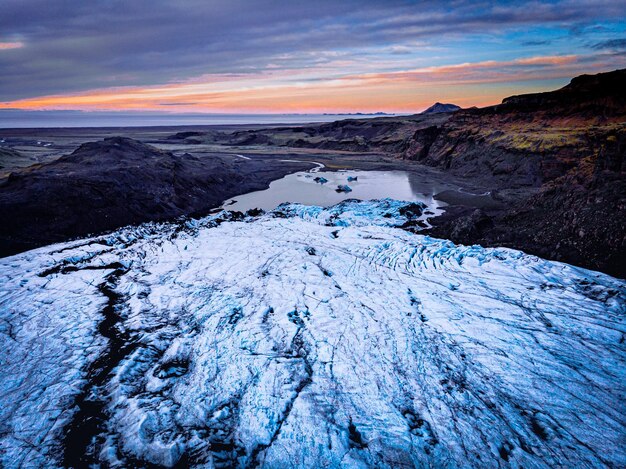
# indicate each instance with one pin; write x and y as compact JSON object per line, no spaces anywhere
{"x":11,"y":45}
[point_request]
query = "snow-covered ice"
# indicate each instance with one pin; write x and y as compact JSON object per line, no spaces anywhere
{"x":307,"y":337}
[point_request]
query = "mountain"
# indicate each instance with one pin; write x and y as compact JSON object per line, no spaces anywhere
{"x":306,"y":337}
{"x":439,"y":107}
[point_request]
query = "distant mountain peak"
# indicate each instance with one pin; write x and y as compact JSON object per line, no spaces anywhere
{"x":441,"y":107}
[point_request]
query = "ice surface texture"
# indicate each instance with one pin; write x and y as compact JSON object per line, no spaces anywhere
{"x":307,"y":336}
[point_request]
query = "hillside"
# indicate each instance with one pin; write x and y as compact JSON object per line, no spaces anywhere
{"x":115,"y":182}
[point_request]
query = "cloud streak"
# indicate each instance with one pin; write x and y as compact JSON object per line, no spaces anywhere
{"x":11,"y":45}
{"x":611,"y":44}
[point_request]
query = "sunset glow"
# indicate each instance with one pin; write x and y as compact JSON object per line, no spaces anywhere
{"x":295,"y":91}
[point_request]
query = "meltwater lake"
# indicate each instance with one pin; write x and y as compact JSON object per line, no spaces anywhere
{"x":308,"y":187}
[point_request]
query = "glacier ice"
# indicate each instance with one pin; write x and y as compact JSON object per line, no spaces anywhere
{"x":307,"y":337}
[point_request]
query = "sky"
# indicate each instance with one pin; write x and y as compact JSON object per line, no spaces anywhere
{"x":314,"y":56}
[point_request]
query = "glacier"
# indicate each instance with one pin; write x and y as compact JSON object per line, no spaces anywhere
{"x":307,"y":336}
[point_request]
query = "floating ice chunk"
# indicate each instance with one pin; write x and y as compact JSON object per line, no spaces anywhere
{"x":352,"y":212}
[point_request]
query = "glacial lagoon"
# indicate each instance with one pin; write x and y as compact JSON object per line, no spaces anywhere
{"x":318,"y":187}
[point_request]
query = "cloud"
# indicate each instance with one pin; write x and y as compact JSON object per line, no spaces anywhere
{"x":543,"y":42}
{"x":612,"y":44}
{"x":11,"y":45}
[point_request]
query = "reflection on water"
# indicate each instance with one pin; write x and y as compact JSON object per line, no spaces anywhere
{"x":302,"y":188}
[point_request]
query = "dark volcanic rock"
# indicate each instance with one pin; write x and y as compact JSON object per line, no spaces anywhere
{"x":577,"y":218}
{"x":11,"y":159}
{"x":119,"y":181}
{"x":184,"y":135}
{"x":600,"y":96}
{"x":7,"y":153}
{"x":470,"y":226}
{"x":569,"y":221}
